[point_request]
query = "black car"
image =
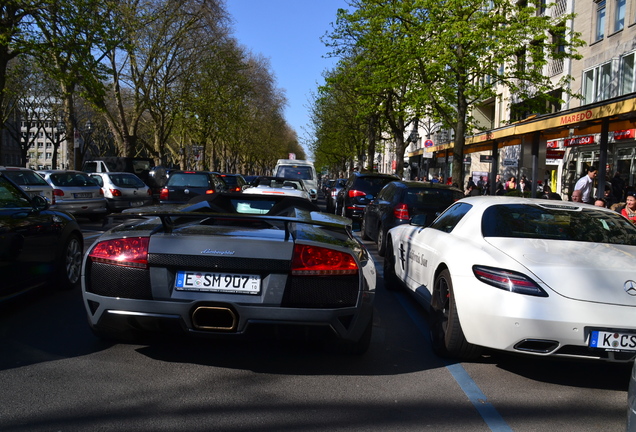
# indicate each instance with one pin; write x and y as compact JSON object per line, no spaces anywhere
{"x":326,"y":185}
{"x":399,"y":201}
{"x":182,"y":186}
{"x":360,"y":190}
{"x":235,"y":182}
{"x":332,"y":194}
{"x":38,"y":246}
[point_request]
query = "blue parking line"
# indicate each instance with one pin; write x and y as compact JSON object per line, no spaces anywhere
{"x":493,"y":419}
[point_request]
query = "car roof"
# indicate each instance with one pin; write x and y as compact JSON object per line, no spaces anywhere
{"x":421,"y":184}
{"x":113,"y":172}
{"x":12,"y":168}
{"x":365,"y":174}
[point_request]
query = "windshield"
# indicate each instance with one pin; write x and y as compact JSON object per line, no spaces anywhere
{"x":557,"y":222}
{"x":127,"y":180}
{"x":295,"y":172}
{"x":72,"y":179}
{"x":26,"y":178}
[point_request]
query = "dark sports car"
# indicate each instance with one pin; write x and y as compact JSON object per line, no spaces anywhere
{"x":38,"y":246}
{"x":229,"y":264}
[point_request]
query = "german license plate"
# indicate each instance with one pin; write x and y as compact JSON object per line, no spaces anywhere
{"x":136,"y":203}
{"x":218,"y":282}
{"x":83,"y":195}
{"x":613,"y":340}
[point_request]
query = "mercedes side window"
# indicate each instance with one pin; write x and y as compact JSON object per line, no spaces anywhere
{"x":450,"y":218}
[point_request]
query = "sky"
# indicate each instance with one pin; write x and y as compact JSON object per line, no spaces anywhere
{"x":288,"y":33}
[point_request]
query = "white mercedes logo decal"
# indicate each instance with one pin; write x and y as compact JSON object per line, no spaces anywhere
{"x":630,"y":287}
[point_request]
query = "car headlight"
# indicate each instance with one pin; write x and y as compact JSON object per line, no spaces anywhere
{"x":509,"y":281}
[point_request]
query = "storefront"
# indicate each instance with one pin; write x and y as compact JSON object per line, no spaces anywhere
{"x":557,"y":148}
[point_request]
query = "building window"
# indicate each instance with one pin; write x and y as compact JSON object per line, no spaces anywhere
{"x":627,"y":73}
{"x":597,"y":83}
{"x":600,"y":20}
{"x":619,"y":16}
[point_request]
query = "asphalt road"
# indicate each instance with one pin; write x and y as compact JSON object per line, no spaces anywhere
{"x":56,"y":376}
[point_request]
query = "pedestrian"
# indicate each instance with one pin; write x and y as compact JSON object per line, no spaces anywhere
{"x":609,"y":197}
{"x":548,"y":194}
{"x":630,"y":208}
{"x":586,"y":185}
{"x":577,"y":196}
{"x":511,"y":184}
{"x":600,"y":202}
{"x":618,"y":186}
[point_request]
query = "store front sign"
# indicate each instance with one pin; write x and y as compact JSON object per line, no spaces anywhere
{"x":554,"y":154}
{"x":552,"y":144}
{"x":575,"y":118}
{"x":624,"y":134}
{"x":571,"y":142}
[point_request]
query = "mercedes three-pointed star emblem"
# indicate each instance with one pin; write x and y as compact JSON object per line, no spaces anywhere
{"x":630,"y":287}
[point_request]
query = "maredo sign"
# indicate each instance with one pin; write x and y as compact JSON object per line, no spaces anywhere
{"x":575,"y":118}
{"x":570,"y":142}
{"x":624,"y":134}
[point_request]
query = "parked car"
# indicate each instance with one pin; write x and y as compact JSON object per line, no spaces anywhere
{"x":123,"y":190}
{"x":278,"y":186}
{"x":360,"y":190}
{"x":157,"y":179}
{"x":528,"y":276}
{"x":249,"y":179}
{"x":235,"y":182}
{"x":332,"y":194}
{"x":229,"y":264}
{"x":182,"y":186}
{"x":399,"y":201}
{"x":38,"y":246}
{"x":30,"y":182}
{"x":77,"y":193}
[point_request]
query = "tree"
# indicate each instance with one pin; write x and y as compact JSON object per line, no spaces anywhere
{"x":451,"y":55}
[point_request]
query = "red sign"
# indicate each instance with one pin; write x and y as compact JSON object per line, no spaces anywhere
{"x":552,"y":144}
{"x":624,"y":134}
{"x":554,"y":154}
{"x":428,"y":143}
{"x":570,"y":142}
{"x":575,"y":118}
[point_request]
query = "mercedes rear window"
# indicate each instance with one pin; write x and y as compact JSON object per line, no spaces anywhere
{"x":557,"y":223}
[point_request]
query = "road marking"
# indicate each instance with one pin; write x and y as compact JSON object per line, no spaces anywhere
{"x":493,"y":419}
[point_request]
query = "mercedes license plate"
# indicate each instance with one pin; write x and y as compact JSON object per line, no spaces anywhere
{"x":613,"y":340}
{"x":218,"y":282}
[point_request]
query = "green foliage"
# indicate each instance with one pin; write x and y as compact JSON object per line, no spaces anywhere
{"x":446,"y":57}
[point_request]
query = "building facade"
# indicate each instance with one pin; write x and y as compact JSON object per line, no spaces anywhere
{"x":596,"y":129}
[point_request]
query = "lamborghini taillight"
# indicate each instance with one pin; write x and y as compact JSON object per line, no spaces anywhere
{"x":127,"y":252}
{"x":311,"y":260}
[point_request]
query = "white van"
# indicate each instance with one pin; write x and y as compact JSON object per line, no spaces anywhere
{"x":299,"y":169}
